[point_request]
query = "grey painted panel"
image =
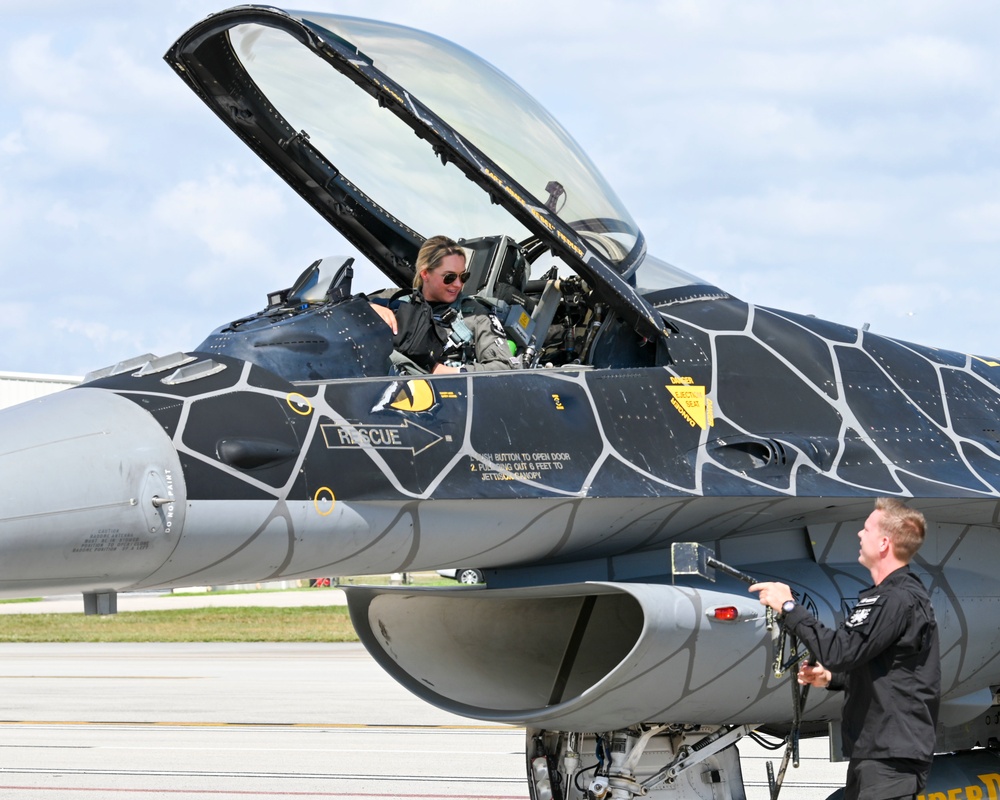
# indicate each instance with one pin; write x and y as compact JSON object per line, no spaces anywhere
{"x":80,"y":470}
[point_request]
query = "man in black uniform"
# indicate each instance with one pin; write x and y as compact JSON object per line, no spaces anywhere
{"x":886,"y":658}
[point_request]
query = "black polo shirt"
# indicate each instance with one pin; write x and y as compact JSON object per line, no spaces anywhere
{"x":886,"y":658}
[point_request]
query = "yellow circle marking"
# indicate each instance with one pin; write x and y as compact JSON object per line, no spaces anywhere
{"x":296,"y":401}
{"x":318,"y":497}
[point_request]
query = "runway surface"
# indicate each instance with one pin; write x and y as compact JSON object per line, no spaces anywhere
{"x":184,"y":721}
{"x":207,"y":720}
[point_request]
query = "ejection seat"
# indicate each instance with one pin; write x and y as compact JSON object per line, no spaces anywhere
{"x":500,"y":271}
{"x":324,"y":281}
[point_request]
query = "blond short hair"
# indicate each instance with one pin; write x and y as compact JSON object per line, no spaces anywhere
{"x":904,"y":526}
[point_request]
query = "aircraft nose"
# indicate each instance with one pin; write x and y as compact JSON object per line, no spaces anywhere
{"x":93,"y":495}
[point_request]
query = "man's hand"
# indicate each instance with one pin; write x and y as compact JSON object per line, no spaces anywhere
{"x":773,"y":594}
{"x":814,"y":675}
{"x":443,"y":369}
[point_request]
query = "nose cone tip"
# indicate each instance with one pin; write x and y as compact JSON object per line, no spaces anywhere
{"x":81,"y":468}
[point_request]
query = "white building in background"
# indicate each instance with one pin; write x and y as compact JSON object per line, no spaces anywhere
{"x":18,"y":387}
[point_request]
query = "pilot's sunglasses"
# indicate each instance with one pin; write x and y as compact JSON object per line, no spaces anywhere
{"x":450,"y":277}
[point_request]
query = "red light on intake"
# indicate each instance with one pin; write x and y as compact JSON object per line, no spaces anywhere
{"x":726,"y":613}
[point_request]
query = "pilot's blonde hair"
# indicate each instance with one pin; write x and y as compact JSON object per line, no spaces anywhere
{"x":904,"y":526}
{"x":432,"y":253}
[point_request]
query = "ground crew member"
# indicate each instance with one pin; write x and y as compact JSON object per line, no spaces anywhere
{"x":885,"y":657}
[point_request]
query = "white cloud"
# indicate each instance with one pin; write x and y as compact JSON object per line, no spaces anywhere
{"x":12,"y":144}
{"x":979,"y":222}
{"x":801,"y":155}
{"x":900,"y":299}
{"x":802,"y":213}
{"x":13,"y":221}
{"x":35,"y":72}
{"x":64,"y":137}
{"x":899,"y":68}
{"x":100,"y":334}
{"x":63,"y":216}
{"x":231,"y":214}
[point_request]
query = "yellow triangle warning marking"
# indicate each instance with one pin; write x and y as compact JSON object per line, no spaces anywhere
{"x":691,"y":402}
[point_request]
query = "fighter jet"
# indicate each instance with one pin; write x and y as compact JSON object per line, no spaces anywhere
{"x":653,"y":409}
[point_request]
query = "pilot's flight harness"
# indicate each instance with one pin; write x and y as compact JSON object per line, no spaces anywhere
{"x":690,"y":558}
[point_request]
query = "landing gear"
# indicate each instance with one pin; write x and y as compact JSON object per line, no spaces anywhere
{"x":672,"y":762}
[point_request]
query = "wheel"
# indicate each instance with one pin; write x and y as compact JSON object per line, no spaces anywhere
{"x":470,"y":576}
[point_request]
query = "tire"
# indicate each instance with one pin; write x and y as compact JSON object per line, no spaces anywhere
{"x":470,"y":576}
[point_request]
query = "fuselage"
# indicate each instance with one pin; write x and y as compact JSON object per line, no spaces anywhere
{"x":763,"y":434}
{"x":747,"y":421}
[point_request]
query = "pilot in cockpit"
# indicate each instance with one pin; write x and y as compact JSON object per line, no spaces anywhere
{"x":437,"y":330}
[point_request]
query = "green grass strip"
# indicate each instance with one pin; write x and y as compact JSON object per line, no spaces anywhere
{"x":249,"y":624}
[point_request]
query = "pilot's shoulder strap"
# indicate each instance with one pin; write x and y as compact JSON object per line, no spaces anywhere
{"x":478,"y":303}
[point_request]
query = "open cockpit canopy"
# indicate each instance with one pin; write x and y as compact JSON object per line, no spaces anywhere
{"x":368,"y":122}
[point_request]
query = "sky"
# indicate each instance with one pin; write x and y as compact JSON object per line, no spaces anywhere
{"x":835,"y":159}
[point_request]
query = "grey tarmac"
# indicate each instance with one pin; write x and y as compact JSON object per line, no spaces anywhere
{"x":184,"y":721}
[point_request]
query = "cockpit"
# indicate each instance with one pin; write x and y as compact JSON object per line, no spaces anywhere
{"x":320,"y":328}
{"x":394,"y":135}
